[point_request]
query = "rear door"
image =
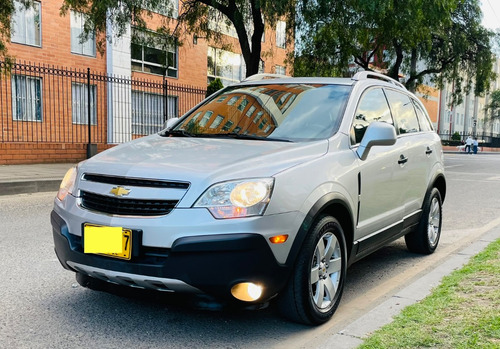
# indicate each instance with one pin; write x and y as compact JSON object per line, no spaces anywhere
{"x":415,"y":150}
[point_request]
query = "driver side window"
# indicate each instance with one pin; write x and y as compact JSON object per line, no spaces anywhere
{"x":372,"y":107}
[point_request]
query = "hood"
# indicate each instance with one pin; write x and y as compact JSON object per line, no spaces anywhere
{"x":201,"y":159}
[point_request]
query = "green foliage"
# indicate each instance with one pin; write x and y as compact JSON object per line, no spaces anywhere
{"x":445,"y":35}
{"x":456,"y":136}
{"x":196,"y":18}
{"x":6,"y":9}
{"x":214,"y":86}
{"x":493,"y":107}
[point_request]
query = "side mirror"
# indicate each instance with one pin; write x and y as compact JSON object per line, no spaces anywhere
{"x":377,"y":133}
{"x":170,"y":122}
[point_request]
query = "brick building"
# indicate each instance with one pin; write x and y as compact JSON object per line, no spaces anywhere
{"x":36,"y":110}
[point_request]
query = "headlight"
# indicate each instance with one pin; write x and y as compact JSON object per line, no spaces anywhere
{"x":242,"y":198}
{"x":67,"y":184}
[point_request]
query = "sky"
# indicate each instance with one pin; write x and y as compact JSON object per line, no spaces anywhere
{"x":491,"y":13}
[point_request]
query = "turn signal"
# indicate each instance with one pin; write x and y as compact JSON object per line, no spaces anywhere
{"x":278,"y":239}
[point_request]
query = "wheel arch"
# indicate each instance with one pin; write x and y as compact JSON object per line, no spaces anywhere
{"x":331,"y":204}
{"x":440,"y":183}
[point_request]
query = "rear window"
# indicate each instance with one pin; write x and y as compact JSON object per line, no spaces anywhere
{"x":292,"y":112}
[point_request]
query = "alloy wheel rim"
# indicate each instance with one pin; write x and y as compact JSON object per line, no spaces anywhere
{"x":434,"y":223}
{"x":326,"y":272}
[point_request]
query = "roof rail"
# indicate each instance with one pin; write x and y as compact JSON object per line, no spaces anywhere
{"x":263,"y":76}
{"x":366,"y":74}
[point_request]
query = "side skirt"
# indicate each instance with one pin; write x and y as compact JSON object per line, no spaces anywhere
{"x":379,"y":239}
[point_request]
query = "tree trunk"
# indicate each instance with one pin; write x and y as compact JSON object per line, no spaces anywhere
{"x":411,"y":85}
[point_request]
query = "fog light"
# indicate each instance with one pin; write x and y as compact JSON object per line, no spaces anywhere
{"x":246,"y":291}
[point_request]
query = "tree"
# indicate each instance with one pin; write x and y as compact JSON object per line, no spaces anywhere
{"x":6,"y":9}
{"x":493,"y":107}
{"x":247,"y":17}
{"x":213,"y":87}
{"x":442,"y":40}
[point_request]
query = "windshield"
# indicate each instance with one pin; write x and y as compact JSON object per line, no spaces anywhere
{"x":291,"y":112}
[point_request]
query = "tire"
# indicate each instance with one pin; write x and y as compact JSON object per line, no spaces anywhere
{"x":315,"y":287}
{"x":425,"y":238}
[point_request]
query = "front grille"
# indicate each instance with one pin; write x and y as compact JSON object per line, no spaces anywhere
{"x":135,"y":182}
{"x":126,"y":207}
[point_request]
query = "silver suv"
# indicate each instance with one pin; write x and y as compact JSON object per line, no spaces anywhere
{"x":268,"y":188}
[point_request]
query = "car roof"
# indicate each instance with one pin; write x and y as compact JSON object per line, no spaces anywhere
{"x":367,"y":76}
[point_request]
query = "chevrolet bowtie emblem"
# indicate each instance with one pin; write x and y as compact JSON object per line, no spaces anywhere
{"x":119,"y":191}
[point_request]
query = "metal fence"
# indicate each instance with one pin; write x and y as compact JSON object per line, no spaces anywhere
{"x":486,"y":139}
{"x":44,"y":104}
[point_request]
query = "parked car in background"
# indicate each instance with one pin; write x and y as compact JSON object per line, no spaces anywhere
{"x":267,"y":190}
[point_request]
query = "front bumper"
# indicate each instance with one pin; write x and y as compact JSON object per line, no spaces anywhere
{"x":206,"y":263}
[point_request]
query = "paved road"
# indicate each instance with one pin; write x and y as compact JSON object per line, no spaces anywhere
{"x":41,"y":306}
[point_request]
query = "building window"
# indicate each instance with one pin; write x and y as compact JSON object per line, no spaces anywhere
{"x":26,"y":24}
{"x":225,"y":65}
{"x":281,"y":34}
{"x":80,"y":104}
{"x":205,"y":118}
{"x":148,"y":112}
{"x":280,"y":70}
{"x":250,"y":111}
{"x":168,"y":8}
{"x":243,"y":104}
{"x":151,"y":55}
{"x":227,"y":126}
{"x":87,"y":47}
{"x":26,"y":98}
{"x":233,"y":100}
{"x":217,"y":121}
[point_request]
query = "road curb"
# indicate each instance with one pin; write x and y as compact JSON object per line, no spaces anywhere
{"x":29,"y":186}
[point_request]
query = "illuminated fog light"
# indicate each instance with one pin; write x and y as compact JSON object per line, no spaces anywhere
{"x":246,"y":291}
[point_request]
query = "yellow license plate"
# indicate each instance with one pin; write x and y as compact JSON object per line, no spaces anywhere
{"x":113,"y":242}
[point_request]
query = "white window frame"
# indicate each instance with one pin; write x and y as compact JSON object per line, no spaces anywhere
{"x":227,"y":66}
{"x":279,"y":69}
{"x":79,"y":104}
{"x":281,"y":34}
{"x":27,"y":98}
{"x":171,"y":71}
{"x":86,"y":48}
{"x":26,"y":24}
{"x":165,"y":8}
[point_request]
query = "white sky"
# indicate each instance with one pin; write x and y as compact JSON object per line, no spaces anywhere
{"x":491,"y":13}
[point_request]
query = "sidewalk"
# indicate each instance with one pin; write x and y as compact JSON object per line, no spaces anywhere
{"x":20,"y":179}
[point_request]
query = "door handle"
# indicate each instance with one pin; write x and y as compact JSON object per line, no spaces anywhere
{"x":402,"y":159}
{"x":428,"y":151}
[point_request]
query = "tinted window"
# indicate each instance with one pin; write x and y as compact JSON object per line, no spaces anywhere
{"x":372,"y":107}
{"x":423,"y":118}
{"x":403,"y":112}
{"x":292,"y":112}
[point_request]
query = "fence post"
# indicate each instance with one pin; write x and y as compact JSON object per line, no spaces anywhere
{"x":165,"y":93}
{"x":91,"y":148}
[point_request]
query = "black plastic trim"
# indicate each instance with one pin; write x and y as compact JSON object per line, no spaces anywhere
{"x":211,"y":263}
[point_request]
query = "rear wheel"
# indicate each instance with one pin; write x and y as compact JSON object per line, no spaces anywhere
{"x":426,"y":237}
{"x":314,"y":290}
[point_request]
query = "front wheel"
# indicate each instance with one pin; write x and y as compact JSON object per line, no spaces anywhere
{"x":315,"y":287}
{"x":426,"y":237}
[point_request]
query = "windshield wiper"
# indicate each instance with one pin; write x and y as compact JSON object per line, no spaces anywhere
{"x":246,"y":136}
{"x":177,"y":133}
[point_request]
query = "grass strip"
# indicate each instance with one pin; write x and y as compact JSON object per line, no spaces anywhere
{"x":462,"y":312}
